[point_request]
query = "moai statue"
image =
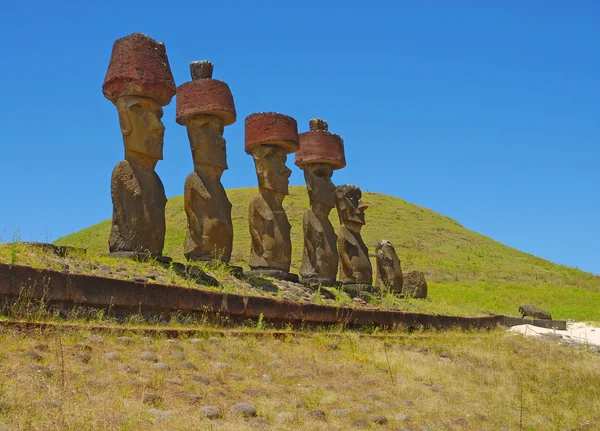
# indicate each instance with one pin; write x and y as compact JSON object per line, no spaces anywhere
{"x":139,"y":82}
{"x":389,"y":271}
{"x":355,"y":266}
{"x":269,"y":138}
{"x":320,"y":153}
{"x":205,"y":106}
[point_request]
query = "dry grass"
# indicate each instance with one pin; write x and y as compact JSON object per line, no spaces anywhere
{"x":446,"y":380}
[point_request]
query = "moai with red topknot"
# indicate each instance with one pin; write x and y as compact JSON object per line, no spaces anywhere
{"x":320,"y":153}
{"x":139,"y":82}
{"x":205,"y":106}
{"x":270,"y":137}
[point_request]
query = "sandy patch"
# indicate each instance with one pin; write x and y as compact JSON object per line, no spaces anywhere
{"x":576,"y":333}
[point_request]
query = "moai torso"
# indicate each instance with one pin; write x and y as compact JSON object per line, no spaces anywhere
{"x":209,"y":233}
{"x":355,"y":266}
{"x":270,"y":232}
{"x":389,"y":270}
{"x":320,"y":257}
{"x":139,"y":202}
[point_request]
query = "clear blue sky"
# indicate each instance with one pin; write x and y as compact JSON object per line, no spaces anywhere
{"x":487,"y":112}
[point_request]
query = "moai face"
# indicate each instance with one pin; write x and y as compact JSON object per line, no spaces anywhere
{"x":271,"y":170}
{"x":141,"y":125}
{"x":350,"y":207}
{"x":318,"y":183}
{"x":205,"y":133}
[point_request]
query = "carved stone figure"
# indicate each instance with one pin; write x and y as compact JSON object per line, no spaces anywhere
{"x":320,"y":153}
{"x":389,"y":271}
{"x":205,"y":106}
{"x":355,"y":266}
{"x":139,"y":82}
{"x":270,"y":136}
{"x":415,"y":284}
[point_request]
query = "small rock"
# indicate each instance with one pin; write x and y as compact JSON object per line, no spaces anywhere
{"x":188,"y":365}
{"x":84,"y":357}
{"x":267,"y":378}
{"x":125,"y":340}
{"x":84,"y":347}
{"x":378,"y":419}
{"x":255,"y":392}
{"x":176,"y":346}
{"x":44,"y":371}
{"x":30,"y":354}
{"x":214,"y":340}
{"x":364,"y":409}
{"x":112,"y":356}
{"x":201,"y":379}
{"x":211,"y":412}
{"x":149,"y":356}
{"x":151,"y":398}
{"x":339,"y":413}
{"x":460,"y":422}
{"x":359,"y":423}
{"x":192,"y":398}
{"x":243,"y":409}
{"x":173,"y":381}
{"x":220,"y":365}
{"x":97,"y":339}
{"x":317,"y":414}
{"x":196,"y":341}
{"x":178,"y":355}
{"x":146,"y":340}
{"x":161,"y":414}
{"x":285,"y":417}
{"x":401,"y":417}
{"x":129,"y":369}
{"x":382,"y":405}
{"x":160,"y":366}
{"x":535,"y":312}
{"x":235,"y":377}
{"x":373,"y":396}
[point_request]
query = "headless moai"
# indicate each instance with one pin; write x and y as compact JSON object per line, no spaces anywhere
{"x":389,"y":271}
{"x":355,"y":266}
{"x":205,"y":106}
{"x":139,"y":82}
{"x":320,"y":153}
{"x":270,"y":137}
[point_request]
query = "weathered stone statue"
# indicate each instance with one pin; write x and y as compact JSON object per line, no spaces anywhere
{"x":355,"y":266}
{"x":205,"y":106}
{"x":415,"y":285}
{"x":389,"y":271}
{"x":320,"y":153}
{"x":269,"y":138}
{"x":139,"y":82}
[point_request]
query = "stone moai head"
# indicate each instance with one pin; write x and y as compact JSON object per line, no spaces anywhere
{"x":385,"y":251}
{"x":320,"y":153}
{"x":205,"y":106}
{"x":139,"y":81}
{"x":270,"y":137}
{"x":351,"y":208}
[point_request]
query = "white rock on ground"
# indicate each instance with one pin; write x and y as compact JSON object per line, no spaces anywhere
{"x":576,"y":333}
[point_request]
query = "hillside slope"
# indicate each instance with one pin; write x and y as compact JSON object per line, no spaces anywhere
{"x":462,"y":266}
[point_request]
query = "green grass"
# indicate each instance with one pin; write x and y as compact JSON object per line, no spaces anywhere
{"x":468,"y":273}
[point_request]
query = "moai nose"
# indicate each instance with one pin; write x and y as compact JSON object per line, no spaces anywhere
{"x":157,"y":127}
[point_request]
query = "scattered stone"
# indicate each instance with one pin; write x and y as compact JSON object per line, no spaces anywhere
{"x":160,"y":366}
{"x":173,"y":381}
{"x":364,"y":409}
{"x":285,"y":417}
{"x":339,"y":413}
{"x":112,"y":356}
{"x":30,"y":354}
{"x":176,"y":346}
{"x":401,"y":417}
{"x":220,"y":365}
{"x":378,"y":419}
{"x":201,"y":379}
{"x":44,"y":371}
{"x":188,"y":365}
{"x":318,"y":414}
{"x":96,"y":399}
{"x":97,"y":339}
{"x":196,"y":341}
{"x":243,"y":409}
{"x":460,"y":422}
{"x":267,"y":378}
{"x":129,"y":369}
{"x":214,"y":340}
{"x":359,"y":423}
{"x":146,"y":340}
{"x":83,"y":347}
{"x":235,"y":377}
{"x":255,"y":392}
{"x":151,"y":398}
{"x":192,"y":398}
{"x":161,"y":414}
{"x":149,"y":356}
{"x":534,"y":312}
{"x":382,"y":405}
{"x":373,"y":396}
{"x":125,"y":340}
{"x":84,"y":357}
{"x":178,"y":355}
{"x":211,"y":412}
{"x":414,"y":284}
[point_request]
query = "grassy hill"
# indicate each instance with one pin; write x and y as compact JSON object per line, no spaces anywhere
{"x":463,"y":268}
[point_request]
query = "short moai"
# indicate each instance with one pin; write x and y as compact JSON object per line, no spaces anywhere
{"x":139,"y":82}
{"x":389,"y":271}
{"x":355,"y":266}
{"x":270,"y":137}
{"x":320,"y":153}
{"x":205,"y":106}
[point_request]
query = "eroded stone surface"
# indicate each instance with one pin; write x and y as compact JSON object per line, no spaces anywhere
{"x":389,"y":270}
{"x":355,"y":266}
{"x":415,"y":284}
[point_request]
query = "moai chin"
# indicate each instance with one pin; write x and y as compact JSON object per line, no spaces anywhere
{"x":389,"y":271}
{"x":355,"y":266}
{"x":270,"y":137}
{"x":205,"y":106}
{"x":320,"y":153}
{"x":139,"y":82}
